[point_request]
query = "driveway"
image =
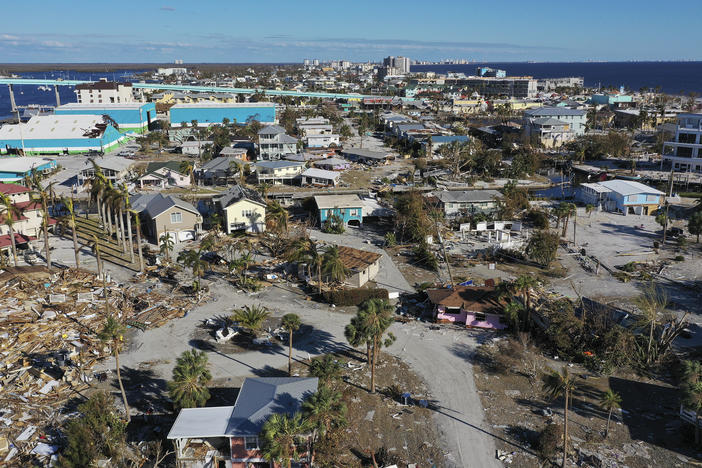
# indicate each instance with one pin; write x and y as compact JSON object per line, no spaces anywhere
{"x":439,"y":356}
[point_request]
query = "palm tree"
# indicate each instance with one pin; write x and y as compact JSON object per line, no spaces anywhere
{"x":251,"y":317}
{"x":512,"y":311}
{"x":609,"y":401}
{"x":324,"y":410}
{"x":113,"y":333}
{"x":115,"y":203}
{"x":188,"y":389}
{"x":127,"y":209}
{"x":166,"y":245}
{"x":193,"y":259}
{"x":95,"y":247}
{"x":326,"y":368}
{"x":281,"y":436}
{"x":137,"y":223}
{"x":10,"y":215}
{"x":44,"y":198}
{"x":315,"y":260}
{"x":692,"y":391}
{"x":561,"y":384}
{"x":187,"y":167}
{"x":290,"y":323}
{"x":522,"y":285}
{"x":277,"y":217}
{"x":374,"y":318}
{"x":567,"y":210}
{"x":333,"y":266}
{"x":68,"y":203}
{"x":98,"y":184}
{"x":652,"y":302}
{"x":357,"y":335}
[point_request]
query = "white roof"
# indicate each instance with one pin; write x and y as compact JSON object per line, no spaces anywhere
{"x":321,"y":174}
{"x":211,"y":104}
{"x":51,"y":127}
{"x":337,"y":201}
{"x":22,"y":164}
{"x":629,"y":187}
{"x":596,"y":188}
{"x":201,"y":422}
{"x":106,"y":105}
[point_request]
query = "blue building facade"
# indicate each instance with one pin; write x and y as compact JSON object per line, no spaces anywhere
{"x":348,"y":208}
{"x":129,"y":117}
{"x":110,"y":139}
{"x":208,"y":114}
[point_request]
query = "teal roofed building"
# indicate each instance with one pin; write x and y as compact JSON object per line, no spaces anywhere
{"x":129,"y":117}
{"x":16,"y":168}
{"x":59,"y":134}
{"x":212,"y":113}
{"x":612,"y":100}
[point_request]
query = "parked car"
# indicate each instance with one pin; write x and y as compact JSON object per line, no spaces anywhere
{"x":674,"y":232}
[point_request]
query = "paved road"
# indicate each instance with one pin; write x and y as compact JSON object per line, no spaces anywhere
{"x":439,"y":356}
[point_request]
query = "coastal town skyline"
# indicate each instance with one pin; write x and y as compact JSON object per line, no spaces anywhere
{"x":290,"y":32}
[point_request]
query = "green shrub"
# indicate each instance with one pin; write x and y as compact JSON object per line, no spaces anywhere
{"x":679,"y":258}
{"x":390,"y":239}
{"x":425,"y":257}
{"x":348,"y":297}
{"x":549,"y":439}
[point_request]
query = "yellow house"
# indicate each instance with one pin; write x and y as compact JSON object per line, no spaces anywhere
{"x":242,"y":209}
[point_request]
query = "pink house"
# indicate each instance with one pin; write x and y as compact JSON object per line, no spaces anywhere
{"x":476,"y":307}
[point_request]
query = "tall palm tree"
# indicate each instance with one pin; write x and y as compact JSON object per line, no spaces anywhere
{"x":166,"y":245}
{"x":333,"y":266}
{"x":315,"y":260}
{"x":282,"y":438}
{"x":127,"y":208}
{"x":191,"y":374}
{"x":692,"y":391}
{"x":193,"y":259}
{"x":652,"y":302}
{"x":187,"y":167}
{"x":561,"y":384}
{"x":71,"y":218}
{"x":113,"y":333}
{"x":375,"y":317}
{"x":609,"y":401}
{"x":568,"y":210}
{"x":324,"y":410}
{"x":137,"y":224}
{"x":11,"y":213}
{"x":290,"y":323}
{"x":523,"y":285}
{"x":512,"y":311}
{"x":357,"y":335}
{"x":277,"y":217}
{"x":95,"y":248}
{"x":114,"y":202}
{"x":43,"y":194}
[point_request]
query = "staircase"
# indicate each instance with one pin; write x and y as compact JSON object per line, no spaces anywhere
{"x":110,"y":250}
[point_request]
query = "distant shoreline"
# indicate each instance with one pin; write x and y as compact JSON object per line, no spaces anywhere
{"x":110,"y":67}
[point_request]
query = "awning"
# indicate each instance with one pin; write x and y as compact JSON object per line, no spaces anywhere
{"x":19,"y":239}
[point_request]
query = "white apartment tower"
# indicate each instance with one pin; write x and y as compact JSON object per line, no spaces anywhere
{"x":104,"y":92}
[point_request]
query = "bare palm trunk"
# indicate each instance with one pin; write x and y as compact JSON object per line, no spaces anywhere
{"x":129,"y":235}
{"x":609,"y":417}
{"x":99,"y":261}
{"x":650,"y":337}
{"x":121,"y":387}
{"x":121,"y":230}
{"x":12,"y":242}
{"x":76,"y":250}
{"x":138,"y":239}
{"x":46,"y":238}
{"x":565,"y":430}
{"x":697,"y":427}
{"x":374,"y":353}
{"x":319,"y":277}
{"x":290,"y":355}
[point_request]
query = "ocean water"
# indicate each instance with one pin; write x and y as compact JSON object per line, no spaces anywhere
{"x":25,"y":95}
{"x":672,"y":77}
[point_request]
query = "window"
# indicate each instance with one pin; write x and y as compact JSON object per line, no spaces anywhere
{"x":176,"y":217}
{"x":452,"y":310}
{"x":479,"y":316}
{"x":247,"y":213}
{"x":686,"y":138}
{"x":251,"y":443}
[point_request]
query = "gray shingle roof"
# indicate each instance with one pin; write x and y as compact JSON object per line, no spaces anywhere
{"x":278,"y":164}
{"x":261,"y":397}
{"x":552,"y":111}
{"x":364,"y":153}
{"x":271,"y":130}
{"x":236,"y":193}
{"x":153,"y":204}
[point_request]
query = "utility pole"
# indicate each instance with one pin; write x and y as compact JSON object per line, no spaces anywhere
{"x":446,"y":259}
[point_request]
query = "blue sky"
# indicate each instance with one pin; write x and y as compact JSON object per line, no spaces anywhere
{"x":291,"y":30}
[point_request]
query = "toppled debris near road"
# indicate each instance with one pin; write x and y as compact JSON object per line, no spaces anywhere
{"x":49,"y":346}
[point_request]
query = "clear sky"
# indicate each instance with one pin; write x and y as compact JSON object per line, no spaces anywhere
{"x":359,"y":30}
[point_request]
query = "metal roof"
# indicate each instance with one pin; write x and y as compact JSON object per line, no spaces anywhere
{"x":201,"y":422}
{"x":271,"y":130}
{"x":553,"y":111}
{"x":53,"y":127}
{"x":321,"y":174}
{"x":467,"y":196}
{"x":365,"y":153}
{"x":278,"y":164}
{"x":338,"y":201}
{"x":237,"y":193}
{"x":629,"y":187}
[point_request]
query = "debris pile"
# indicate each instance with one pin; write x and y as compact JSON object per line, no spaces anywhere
{"x":49,"y":346}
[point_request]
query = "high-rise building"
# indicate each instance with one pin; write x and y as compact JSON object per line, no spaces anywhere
{"x":401,"y":65}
